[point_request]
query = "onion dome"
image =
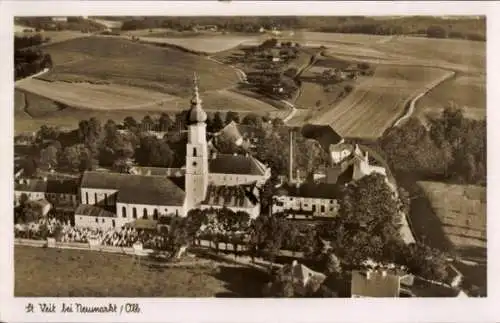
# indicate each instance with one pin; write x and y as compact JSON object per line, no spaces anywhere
{"x":196,"y":114}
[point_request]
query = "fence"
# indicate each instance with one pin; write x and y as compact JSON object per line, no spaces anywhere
{"x":50,"y":243}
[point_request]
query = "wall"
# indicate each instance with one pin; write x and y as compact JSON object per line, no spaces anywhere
{"x":31,"y":195}
{"x":102,"y":222}
{"x":150,"y":209}
{"x":101,"y":196}
{"x":330,"y":206}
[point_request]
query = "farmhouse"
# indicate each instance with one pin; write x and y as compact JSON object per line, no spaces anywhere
{"x":215,"y":181}
{"x":307,"y":200}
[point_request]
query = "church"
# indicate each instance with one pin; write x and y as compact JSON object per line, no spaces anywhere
{"x":208,"y":180}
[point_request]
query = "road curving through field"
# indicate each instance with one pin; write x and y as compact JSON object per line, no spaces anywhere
{"x":411,"y":106}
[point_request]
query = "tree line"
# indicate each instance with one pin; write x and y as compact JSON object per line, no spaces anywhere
{"x":29,"y":61}
{"x":112,"y":144}
{"x":435,"y":27}
{"x":73,"y":23}
{"x":452,"y":150}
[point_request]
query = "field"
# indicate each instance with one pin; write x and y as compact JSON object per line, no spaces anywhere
{"x":467,"y":92}
{"x":124,"y":62}
{"x":319,"y":38}
{"x":42,"y":111}
{"x":206,"y":44}
{"x":462,"y":212}
{"x":452,"y":218}
{"x":97,"y":96}
{"x":41,"y":272}
{"x":376,"y":101}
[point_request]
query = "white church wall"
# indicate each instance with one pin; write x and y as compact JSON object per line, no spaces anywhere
{"x":235,"y":179}
{"x":126,"y":211}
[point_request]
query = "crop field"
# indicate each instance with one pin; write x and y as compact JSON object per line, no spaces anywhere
{"x":55,"y":36}
{"x":469,"y":54}
{"x":124,"y":62}
{"x":79,"y":273}
{"x":96,"y":96}
{"x":377,"y":101}
{"x":461,"y":210}
{"x":227,"y":100}
{"x":455,"y":220}
{"x":319,"y":38}
{"x":467,"y":92}
{"x":206,"y":44}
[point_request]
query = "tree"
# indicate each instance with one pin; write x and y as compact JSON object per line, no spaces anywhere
{"x":29,"y":166}
{"x":332,"y":264}
{"x":71,"y":157}
{"x":130,"y":123}
{"x":435,"y":31}
{"x":267,"y":236}
{"x":232,"y":116}
{"x":217,"y":123}
{"x":368,"y":219}
{"x":165,"y":122}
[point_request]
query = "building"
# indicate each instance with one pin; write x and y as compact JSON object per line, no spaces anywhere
{"x":302,"y":276}
{"x":375,"y":283}
{"x":307,"y":200}
{"x":208,"y":180}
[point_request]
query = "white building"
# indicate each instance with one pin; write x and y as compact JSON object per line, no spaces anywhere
{"x":307,"y":200}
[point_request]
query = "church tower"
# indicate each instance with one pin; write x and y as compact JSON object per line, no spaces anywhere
{"x":196,"y":180}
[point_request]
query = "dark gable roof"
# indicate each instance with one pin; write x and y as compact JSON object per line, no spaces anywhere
{"x":323,"y":134}
{"x":231,"y":196}
{"x":137,"y":189}
{"x":234,"y":164}
{"x":62,"y":186}
{"x":91,"y":210}
{"x":312,"y":190}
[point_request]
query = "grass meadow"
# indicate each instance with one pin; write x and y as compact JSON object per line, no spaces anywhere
{"x":45,"y":272}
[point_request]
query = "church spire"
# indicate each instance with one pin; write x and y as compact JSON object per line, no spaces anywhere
{"x":196,"y":114}
{"x":196,"y":100}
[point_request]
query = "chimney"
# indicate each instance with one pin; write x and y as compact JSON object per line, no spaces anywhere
{"x":290,"y":176}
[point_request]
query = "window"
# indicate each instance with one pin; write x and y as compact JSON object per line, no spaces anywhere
{"x":331,"y":209}
{"x":314,"y":208}
{"x":144,"y":213}
{"x":102,"y":220}
{"x":134,"y":213}
{"x":194,"y":152}
{"x":155,"y":214}
{"x":291,"y":199}
{"x":96,"y":220}
{"x":113,"y":223}
{"x":176,"y":212}
{"x":80,"y":218}
{"x":322,"y":208}
{"x":87,"y":197}
{"x":106,"y":198}
{"x":124,"y":212}
{"x":166,"y":211}
{"x":95,"y":198}
{"x":331,"y":201}
{"x":194,"y":164}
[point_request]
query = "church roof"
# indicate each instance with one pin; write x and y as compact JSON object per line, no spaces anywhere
{"x":196,"y":114}
{"x":137,"y":189}
{"x":236,"y":164}
{"x":240,"y":196}
{"x":312,"y":190}
{"x":323,"y":134}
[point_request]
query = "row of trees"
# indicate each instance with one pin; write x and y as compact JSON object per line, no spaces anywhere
{"x":72,"y":23}
{"x":453,"y":149}
{"x":469,"y":28}
{"x":29,"y":61}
